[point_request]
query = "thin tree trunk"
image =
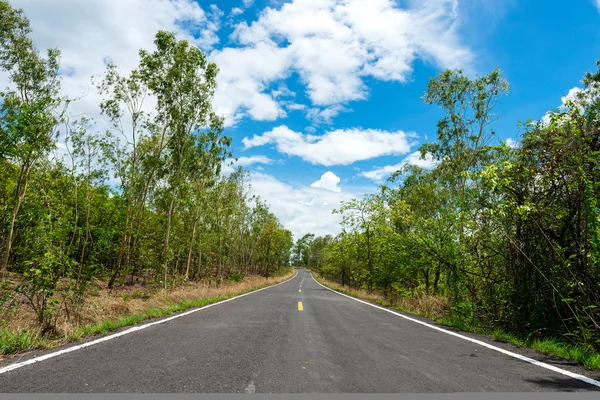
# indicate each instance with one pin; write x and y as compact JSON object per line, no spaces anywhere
{"x":436,"y":279}
{"x":19,"y":200}
{"x":370,"y":260}
{"x":166,"y":245}
{"x":189,"y":256}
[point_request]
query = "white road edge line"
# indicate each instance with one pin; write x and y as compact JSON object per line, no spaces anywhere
{"x":479,"y":342}
{"x":128,"y":331}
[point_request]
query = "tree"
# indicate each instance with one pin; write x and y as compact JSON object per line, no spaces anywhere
{"x":183,"y":82}
{"x":363,"y":215}
{"x":302,"y":250}
{"x":27,"y":110}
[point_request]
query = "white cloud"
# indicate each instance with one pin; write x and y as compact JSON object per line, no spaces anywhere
{"x":333,"y":45}
{"x":230,"y":164}
{"x":236,"y":11}
{"x":546,"y":118}
{"x":326,"y":114}
{"x":598,"y":5}
{"x":248,"y":3}
{"x":572,"y":95}
{"x":338,"y":147}
{"x":291,"y":106}
{"x":301,"y":209}
{"x":575,"y":95}
{"x":328,"y":181}
{"x":244,"y":76}
{"x":88,"y":32}
{"x":282,"y":91}
{"x":379,"y":174}
{"x":512,"y":143}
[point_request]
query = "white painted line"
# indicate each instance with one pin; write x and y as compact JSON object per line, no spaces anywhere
{"x":479,"y":342}
{"x":128,"y":331}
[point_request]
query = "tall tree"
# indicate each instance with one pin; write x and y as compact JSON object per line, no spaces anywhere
{"x":27,"y":109}
{"x":183,"y":82}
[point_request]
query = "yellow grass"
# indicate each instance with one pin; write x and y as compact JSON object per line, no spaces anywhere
{"x":429,"y":306}
{"x":102,"y":305}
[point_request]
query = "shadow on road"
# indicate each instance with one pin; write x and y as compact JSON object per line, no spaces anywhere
{"x":562,"y":384}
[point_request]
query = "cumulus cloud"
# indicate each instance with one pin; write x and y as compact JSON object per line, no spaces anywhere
{"x":328,"y":181}
{"x":231,"y":164}
{"x":379,"y":174}
{"x":301,"y":209}
{"x":90,"y":32}
{"x":338,"y":147}
{"x":334,"y":45}
{"x":244,"y":76}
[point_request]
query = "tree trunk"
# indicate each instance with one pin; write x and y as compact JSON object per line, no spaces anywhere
{"x":166,"y":245}
{"x":436,"y":280}
{"x":189,"y":256}
{"x":370,"y":260}
{"x":19,"y":200}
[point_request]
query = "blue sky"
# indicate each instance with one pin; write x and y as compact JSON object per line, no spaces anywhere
{"x":319,"y":90}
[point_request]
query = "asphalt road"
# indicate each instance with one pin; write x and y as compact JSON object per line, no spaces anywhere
{"x":295,"y":337}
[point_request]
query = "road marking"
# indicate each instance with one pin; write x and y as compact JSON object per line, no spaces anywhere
{"x":128,"y":331}
{"x":300,"y":307}
{"x":479,"y":342}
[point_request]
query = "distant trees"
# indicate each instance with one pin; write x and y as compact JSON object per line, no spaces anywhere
{"x":509,"y":235}
{"x":145,"y":200}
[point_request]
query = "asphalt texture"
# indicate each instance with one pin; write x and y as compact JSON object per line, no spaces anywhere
{"x":264,"y":343}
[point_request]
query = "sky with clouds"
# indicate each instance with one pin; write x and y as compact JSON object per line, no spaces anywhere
{"x":323,"y":97}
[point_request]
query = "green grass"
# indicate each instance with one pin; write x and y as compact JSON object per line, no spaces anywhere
{"x":11,"y":343}
{"x":554,"y":347}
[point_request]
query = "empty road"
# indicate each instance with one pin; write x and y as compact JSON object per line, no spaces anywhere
{"x":295,"y":337}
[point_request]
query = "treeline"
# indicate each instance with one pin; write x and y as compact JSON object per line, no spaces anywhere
{"x":509,"y":235}
{"x":144,"y":201}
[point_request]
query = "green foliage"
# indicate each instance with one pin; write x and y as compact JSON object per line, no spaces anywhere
{"x":142,"y":203}
{"x":508,"y":235}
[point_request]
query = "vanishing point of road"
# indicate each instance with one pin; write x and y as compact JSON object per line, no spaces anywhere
{"x":295,"y":337}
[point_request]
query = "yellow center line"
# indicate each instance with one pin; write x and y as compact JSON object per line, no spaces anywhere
{"x":300,"y":308}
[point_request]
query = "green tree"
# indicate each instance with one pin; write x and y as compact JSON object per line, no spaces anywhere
{"x":27,"y":109}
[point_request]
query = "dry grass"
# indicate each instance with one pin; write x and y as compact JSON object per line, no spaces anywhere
{"x":105,"y":310}
{"x":135,"y":300}
{"x":434,"y":307}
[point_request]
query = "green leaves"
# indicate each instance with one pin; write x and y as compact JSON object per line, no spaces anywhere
{"x":508,"y":235}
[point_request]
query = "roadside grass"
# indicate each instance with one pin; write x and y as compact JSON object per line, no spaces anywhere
{"x":110,"y":311}
{"x":13,"y":342}
{"x":433,"y":309}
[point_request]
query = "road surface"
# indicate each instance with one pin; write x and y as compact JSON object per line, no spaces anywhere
{"x":295,"y":337}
